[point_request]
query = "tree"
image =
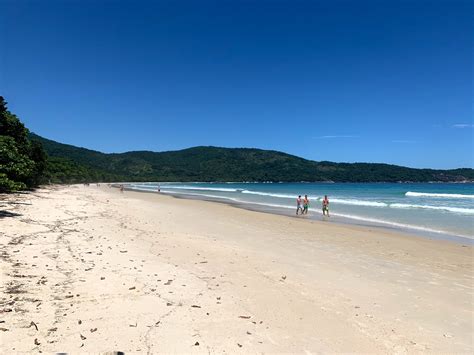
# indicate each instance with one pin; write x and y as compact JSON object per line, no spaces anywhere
{"x":22,"y":162}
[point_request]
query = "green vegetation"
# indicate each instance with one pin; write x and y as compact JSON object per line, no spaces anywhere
{"x":22,"y":162}
{"x":67,"y":171}
{"x":73,"y":164}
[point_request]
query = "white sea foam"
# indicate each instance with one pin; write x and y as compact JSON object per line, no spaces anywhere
{"x":270,"y":194}
{"x":358,"y":202}
{"x":439,"y":208}
{"x":437,"y":195}
{"x":222,"y":189}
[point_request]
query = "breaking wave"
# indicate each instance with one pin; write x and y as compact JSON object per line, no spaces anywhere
{"x":222,"y":189}
{"x":437,"y":195}
{"x":439,"y":208}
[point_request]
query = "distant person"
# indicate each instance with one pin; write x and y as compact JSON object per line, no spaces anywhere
{"x":121,"y":188}
{"x":305,"y":204}
{"x":159,"y":189}
{"x":326,"y":206}
{"x":299,"y":207}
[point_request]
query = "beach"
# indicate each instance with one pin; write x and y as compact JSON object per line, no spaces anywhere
{"x":89,"y":269}
{"x":437,"y":210}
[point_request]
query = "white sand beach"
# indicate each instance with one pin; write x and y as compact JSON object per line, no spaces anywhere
{"x":88,"y":269}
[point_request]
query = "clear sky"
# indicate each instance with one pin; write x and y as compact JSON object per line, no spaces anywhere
{"x":375,"y":81}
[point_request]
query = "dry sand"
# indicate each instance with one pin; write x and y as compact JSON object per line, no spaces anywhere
{"x":87,"y":269}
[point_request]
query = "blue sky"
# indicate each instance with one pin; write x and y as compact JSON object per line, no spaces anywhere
{"x":375,"y":81}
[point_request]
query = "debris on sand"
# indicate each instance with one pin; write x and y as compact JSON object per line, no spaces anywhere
{"x":245,"y":317}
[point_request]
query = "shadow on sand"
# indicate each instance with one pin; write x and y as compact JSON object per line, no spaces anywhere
{"x":4,"y":214}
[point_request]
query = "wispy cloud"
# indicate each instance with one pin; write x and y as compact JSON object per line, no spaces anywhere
{"x":463,"y":125}
{"x":336,"y":136}
{"x":403,"y":141}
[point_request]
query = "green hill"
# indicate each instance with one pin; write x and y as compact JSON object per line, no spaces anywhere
{"x":72,"y":164}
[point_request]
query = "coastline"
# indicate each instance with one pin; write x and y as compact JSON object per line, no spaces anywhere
{"x":315,"y":215}
{"x":153,"y":273}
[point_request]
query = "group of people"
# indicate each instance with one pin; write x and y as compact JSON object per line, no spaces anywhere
{"x":302,"y":205}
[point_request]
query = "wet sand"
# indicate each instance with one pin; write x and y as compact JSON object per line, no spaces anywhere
{"x":88,"y":269}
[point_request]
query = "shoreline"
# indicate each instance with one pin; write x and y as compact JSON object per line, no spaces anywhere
{"x":88,"y":269}
{"x":413,"y":231}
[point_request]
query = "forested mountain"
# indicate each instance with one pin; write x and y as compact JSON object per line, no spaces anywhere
{"x":27,"y":160}
{"x":68,"y":163}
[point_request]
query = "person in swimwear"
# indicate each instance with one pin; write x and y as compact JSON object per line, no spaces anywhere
{"x":298,"y":205}
{"x":326,"y":206}
{"x":305,"y":204}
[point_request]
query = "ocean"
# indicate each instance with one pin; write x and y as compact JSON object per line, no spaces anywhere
{"x":433,"y":209}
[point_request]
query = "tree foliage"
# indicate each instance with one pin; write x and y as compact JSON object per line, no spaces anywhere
{"x":22,"y":162}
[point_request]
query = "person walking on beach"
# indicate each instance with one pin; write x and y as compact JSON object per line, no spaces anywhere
{"x":326,"y":206}
{"x":305,"y":204}
{"x":121,"y":188}
{"x":298,"y":205}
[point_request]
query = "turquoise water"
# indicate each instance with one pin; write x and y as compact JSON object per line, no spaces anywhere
{"x":430,"y":208}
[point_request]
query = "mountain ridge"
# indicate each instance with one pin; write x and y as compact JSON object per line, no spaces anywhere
{"x":211,"y":163}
